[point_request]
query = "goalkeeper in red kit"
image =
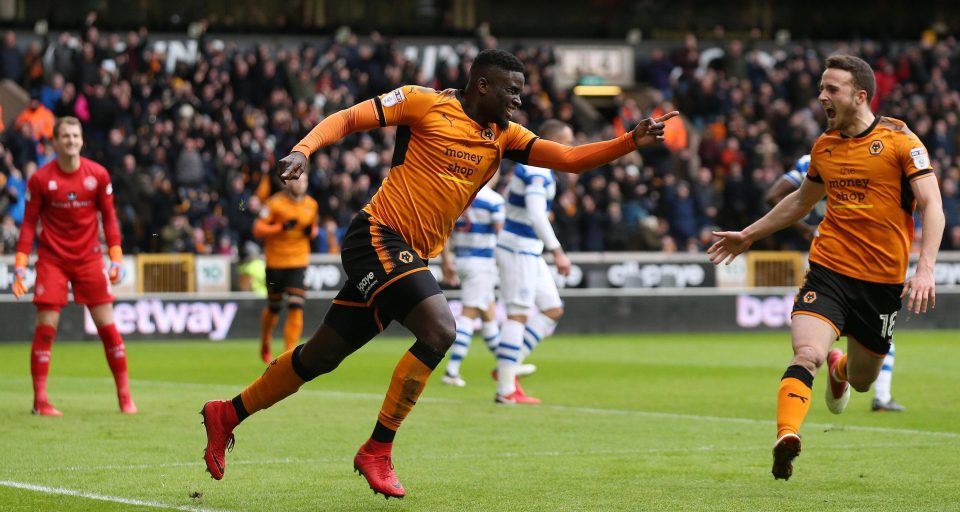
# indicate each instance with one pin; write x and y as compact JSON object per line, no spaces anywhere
{"x":65,"y":196}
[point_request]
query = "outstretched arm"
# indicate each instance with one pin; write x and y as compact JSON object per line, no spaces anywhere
{"x":549,"y":154}
{"x":788,"y":211}
{"x":360,"y":117}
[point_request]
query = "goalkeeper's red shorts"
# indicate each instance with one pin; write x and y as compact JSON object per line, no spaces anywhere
{"x":91,"y":286}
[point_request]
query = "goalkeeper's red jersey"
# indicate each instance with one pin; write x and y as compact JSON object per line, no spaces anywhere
{"x":67,"y":204}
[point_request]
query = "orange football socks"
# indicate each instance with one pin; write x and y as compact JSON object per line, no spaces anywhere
{"x":409,"y":378}
{"x":841,"y":369}
{"x":277,"y":382}
{"x":793,"y":399}
{"x":293,"y":326}
{"x":268,"y":322}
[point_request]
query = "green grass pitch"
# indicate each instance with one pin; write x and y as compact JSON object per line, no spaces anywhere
{"x":645,"y":422}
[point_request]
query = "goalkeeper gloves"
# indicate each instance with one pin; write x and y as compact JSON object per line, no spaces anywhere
{"x":19,"y":269}
{"x":290,"y":224}
{"x":116,"y":273}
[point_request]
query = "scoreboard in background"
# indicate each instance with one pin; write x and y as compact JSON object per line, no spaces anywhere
{"x":594,"y":65}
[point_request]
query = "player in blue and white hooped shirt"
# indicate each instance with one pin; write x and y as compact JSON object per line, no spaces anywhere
{"x":472,"y":244}
{"x":525,"y":280}
{"x":790,"y":181}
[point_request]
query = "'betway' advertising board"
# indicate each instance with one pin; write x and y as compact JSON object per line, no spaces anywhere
{"x":198,"y":319}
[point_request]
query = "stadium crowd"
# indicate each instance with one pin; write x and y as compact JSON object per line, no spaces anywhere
{"x":190,"y":151}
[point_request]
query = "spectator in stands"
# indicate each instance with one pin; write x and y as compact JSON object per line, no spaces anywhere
{"x":177,"y":236}
{"x":749,"y":108}
{"x":39,"y":117}
{"x":9,"y":233}
{"x":11,"y":58}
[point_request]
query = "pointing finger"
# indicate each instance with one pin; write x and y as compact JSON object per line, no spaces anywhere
{"x":667,"y":116}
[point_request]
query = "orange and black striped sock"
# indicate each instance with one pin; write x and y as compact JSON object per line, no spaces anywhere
{"x":793,"y":399}
{"x":293,"y":325}
{"x":841,"y":369}
{"x":282,"y":378}
{"x":409,"y":379}
{"x":268,"y":322}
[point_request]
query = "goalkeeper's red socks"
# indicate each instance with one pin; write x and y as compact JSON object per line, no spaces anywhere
{"x":43,"y":337}
{"x":117,"y":360}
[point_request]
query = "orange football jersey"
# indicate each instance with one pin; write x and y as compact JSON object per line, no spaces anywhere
{"x":442,"y":155}
{"x":290,"y":248}
{"x":868,"y":226}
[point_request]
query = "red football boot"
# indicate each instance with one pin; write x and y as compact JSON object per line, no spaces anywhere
{"x":373,"y":463}
{"x":517,"y":397}
{"x":838,"y":391}
{"x":219,"y":419}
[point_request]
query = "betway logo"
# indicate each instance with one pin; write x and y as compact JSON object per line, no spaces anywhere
{"x":212,"y":319}
{"x":764,"y":311}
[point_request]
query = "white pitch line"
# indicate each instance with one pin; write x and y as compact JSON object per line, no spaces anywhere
{"x":568,"y":408}
{"x":102,"y":497}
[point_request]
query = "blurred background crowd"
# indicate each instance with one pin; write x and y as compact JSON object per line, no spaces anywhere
{"x":191,"y":150}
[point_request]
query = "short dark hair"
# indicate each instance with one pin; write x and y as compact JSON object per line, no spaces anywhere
{"x":863,"y":77}
{"x":551,"y":128}
{"x":497,"y":58}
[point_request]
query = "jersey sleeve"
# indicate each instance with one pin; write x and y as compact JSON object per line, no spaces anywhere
{"x":404,"y":106}
{"x":518,"y":141}
{"x":813,"y":171}
{"x":498,"y":213}
{"x":28,"y":228}
{"x":360,"y":117}
{"x":577,"y":159}
{"x":108,"y":214}
{"x":913,"y":156}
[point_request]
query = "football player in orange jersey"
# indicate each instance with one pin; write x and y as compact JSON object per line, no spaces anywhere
{"x":449,"y":143}
{"x":287,"y":223}
{"x":874,"y":172}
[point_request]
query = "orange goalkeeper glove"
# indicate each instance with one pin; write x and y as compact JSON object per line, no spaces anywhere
{"x":116,"y":272}
{"x":19,"y":269}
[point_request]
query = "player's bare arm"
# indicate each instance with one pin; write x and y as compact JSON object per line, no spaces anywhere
{"x":578,"y":159}
{"x":562,"y":261}
{"x":786,"y":213}
{"x":447,"y":266}
{"x":921,"y":286}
